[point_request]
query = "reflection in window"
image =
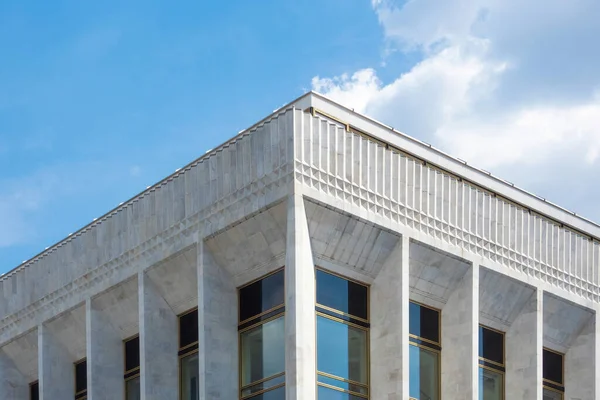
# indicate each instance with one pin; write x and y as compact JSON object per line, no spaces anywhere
{"x":342,"y":338}
{"x":188,"y":355}
{"x":81,"y":380}
{"x":550,"y":394}
{"x":262,"y":338}
{"x":553,"y":371}
{"x":424,"y":352}
{"x":424,"y":373}
{"x":491,"y":364}
{"x":491,"y":384}
{"x":132,"y":368}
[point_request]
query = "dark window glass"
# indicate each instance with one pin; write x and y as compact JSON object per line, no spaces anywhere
{"x":132,"y":354}
{"x":342,"y":295}
{"x":188,"y":328}
{"x":491,"y":345}
{"x":553,"y":366}
{"x":424,"y":322}
{"x":34,"y":391}
{"x":262,"y":296}
{"x":80,"y":376}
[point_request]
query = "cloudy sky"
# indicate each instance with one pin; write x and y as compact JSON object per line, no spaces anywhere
{"x":100,"y":99}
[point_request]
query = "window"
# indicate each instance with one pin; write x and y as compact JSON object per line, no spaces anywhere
{"x":34,"y":391}
{"x":342,"y":338}
{"x":554,"y":385}
{"x":424,"y":352}
{"x":81,"y":380}
{"x":262,"y":338}
{"x":491,"y":364}
{"x":188,"y":356}
{"x":132,"y":368}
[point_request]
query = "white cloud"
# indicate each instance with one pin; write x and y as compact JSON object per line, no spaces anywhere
{"x":491,"y":89}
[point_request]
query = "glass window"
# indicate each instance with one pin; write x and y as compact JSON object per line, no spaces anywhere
{"x":34,"y":391}
{"x":132,"y":389}
{"x":81,"y":379}
{"x":262,"y":339}
{"x":189,"y":377}
{"x":342,"y":338}
{"x":342,"y":350}
{"x":424,"y":383}
{"x":553,"y":370}
{"x":188,"y":355}
{"x":342,"y":295}
{"x":491,"y":364}
{"x":491,"y":384}
{"x":550,"y":394}
{"x":132,"y":368}
{"x":553,"y":366}
{"x":188,"y":329}
{"x":424,"y":352}
{"x":327,"y":393}
{"x":491,"y":345}
{"x":424,"y":322}
{"x":261,"y":351}
{"x":263,"y":295}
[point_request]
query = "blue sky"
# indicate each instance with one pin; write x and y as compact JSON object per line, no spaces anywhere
{"x":99,"y":100}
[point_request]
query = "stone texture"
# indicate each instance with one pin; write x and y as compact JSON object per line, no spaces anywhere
{"x":524,"y":342}
{"x":460,"y":340}
{"x":389,"y":327}
{"x":300,"y":325}
{"x":348,"y":241}
{"x":13,"y":384}
{"x":501,"y":299}
{"x":158,"y":344}
{"x":57,"y":372}
{"x":105,"y":356}
{"x":361,"y":186}
{"x":581,"y":364}
{"x":434,"y":275}
{"x":217,"y":337}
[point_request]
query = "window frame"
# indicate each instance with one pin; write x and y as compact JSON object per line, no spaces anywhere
{"x":366,"y":329}
{"x":185,"y":351}
{"x":435,"y":347}
{"x":244,"y":327}
{"x":555,"y":386}
{"x":129,"y":374}
{"x":495,"y":366}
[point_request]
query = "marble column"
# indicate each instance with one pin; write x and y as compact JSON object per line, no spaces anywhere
{"x":13,"y":385}
{"x":524,"y":344}
{"x":300,"y":352}
{"x":460,"y":340}
{"x":217,"y":333}
{"x":159,"y":363}
{"x":389,"y":327}
{"x":56,"y":370}
{"x":105,"y":356}
{"x":581,"y":377}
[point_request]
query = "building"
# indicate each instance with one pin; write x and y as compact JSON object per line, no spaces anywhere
{"x":317,"y":254}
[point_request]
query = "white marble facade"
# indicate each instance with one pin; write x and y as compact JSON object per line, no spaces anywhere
{"x":313,"y":184}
